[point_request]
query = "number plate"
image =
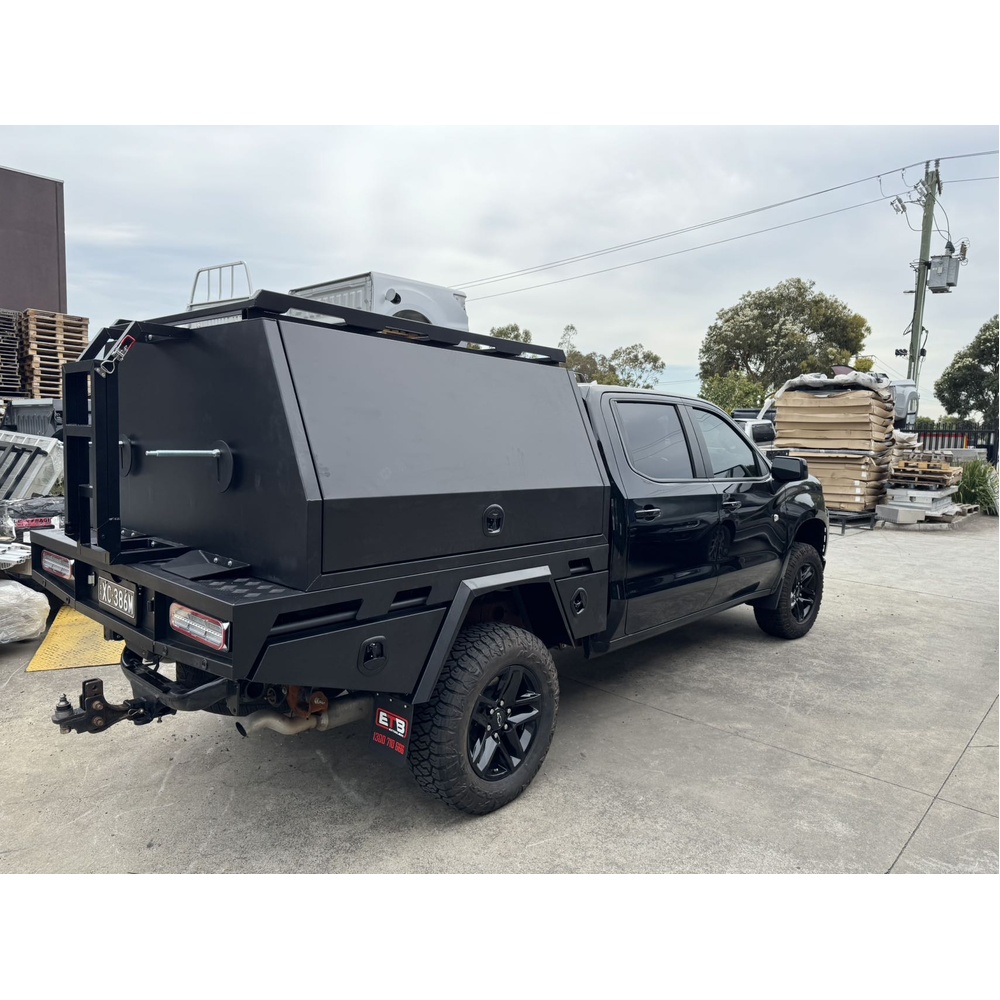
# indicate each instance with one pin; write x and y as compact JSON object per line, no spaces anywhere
{"x":119,"y":598}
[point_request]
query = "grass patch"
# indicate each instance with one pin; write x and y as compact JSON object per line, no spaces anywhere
{"x":979,"y":486}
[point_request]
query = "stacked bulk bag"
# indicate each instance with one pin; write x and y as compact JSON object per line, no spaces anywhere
{"x":842,"y":426}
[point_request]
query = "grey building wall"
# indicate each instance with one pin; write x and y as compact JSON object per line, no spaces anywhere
{"x":32,"y":242}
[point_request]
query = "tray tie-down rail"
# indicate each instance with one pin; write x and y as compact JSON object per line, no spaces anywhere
{"x":155,"y":697}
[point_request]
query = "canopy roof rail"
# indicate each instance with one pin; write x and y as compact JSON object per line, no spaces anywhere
{"x":275,"y":304}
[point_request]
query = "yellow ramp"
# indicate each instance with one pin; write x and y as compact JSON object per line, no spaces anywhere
{"x":73,"y":640}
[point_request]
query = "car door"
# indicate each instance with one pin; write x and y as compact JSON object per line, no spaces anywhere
{"x":752,"y":538}
{"x":671,"y":513}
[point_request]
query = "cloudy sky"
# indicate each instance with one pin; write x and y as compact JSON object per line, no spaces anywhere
{"x":146,"y":206}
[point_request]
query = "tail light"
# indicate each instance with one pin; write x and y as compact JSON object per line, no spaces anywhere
{"x":57,"y":565}
{"x":208,"y":631}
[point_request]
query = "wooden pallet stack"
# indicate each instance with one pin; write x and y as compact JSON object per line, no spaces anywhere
{"x":10,"y":367}
{"x":845,"y":436}
{"x":928,"y":475}
{"x":48,"y":340}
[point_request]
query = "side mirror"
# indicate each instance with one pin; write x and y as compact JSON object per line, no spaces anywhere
{"x":789,"y":470}
{"x":763,"y":432}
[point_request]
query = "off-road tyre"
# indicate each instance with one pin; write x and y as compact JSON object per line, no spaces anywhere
{"x":799,"y":598}
{"x":453,"y":754}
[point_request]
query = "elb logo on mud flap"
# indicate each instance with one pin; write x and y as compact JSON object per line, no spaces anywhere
{"x":391,"y":729}
{"x":396,"y":725}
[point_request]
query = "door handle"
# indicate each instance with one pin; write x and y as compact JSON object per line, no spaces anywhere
{"x":731,"y":504}
{"x":647,"y":513}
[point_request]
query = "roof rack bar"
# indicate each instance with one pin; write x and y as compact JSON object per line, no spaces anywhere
{"x":265,"y":303}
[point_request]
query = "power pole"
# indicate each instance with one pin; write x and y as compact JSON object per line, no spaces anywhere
{"x":932,"y":186}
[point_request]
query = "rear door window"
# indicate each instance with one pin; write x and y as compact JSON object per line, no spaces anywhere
{"x":654,"y":440}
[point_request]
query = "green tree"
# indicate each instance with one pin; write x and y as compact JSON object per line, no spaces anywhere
{"x":733,"y":391}
{"x":949,"y":423}
{"x":590,"y":367}
{"x":969,"y":384}
{"x":634,"y":365}
{"x":631,"y":366}
{"x":780,"y":333}
{"x":512,"y":332}
{"x":926,"y":424}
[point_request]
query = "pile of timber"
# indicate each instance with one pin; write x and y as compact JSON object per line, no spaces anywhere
{"x":48,"y":340}
{"x":928,"y":475}
{"x":845,"y":434}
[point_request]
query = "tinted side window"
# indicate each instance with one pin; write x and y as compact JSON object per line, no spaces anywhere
{"x":729,"y":454}
{"x":654,"y":440}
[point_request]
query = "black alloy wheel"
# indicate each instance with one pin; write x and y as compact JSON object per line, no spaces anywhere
{"x":482,"y":737}
{"x":504,"y":723}
{"x":796,"y":606}
{"x":804,"y":592}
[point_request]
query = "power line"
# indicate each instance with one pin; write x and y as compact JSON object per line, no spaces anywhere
{"x":675,"y":253}
{"x":650,"y":239}
{"x":703,"y":225}
{"x":957,"y":156}
{"x":882,"y":364}
{"x":947,"y":221}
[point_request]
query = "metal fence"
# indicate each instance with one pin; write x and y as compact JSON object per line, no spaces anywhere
{"x":961,"y":437}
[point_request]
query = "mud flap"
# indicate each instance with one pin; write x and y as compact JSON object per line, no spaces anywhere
{"x":392,"y":722}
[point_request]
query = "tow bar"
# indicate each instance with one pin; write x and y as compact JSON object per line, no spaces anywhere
{"x":95,"y":715}
{"x":154,"y":696}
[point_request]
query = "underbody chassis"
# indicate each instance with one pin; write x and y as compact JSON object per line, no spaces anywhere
{"x":156,"y":695}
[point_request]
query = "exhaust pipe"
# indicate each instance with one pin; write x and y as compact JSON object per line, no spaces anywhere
{"x":341,"y":712}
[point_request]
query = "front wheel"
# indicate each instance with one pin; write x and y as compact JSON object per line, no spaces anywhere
{"x":799,"y":598}
{"x":483,"y":736}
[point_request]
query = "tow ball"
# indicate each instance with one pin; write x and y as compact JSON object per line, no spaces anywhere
{"x":95,"y":715}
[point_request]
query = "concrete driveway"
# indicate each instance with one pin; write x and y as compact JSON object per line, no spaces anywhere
{"x":868,"y":746}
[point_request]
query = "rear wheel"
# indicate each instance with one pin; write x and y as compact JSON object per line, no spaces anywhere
{"x":482,"y":738}
{"x":799,"y":598}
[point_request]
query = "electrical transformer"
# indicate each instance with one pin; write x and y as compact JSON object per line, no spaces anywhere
{"x":943,"y":273}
